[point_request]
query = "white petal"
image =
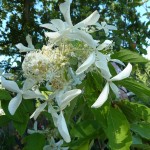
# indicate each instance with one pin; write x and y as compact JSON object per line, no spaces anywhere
{"x":31,"y":95}
{"x":90,"y":20}
{"x":67,"y":97}
{"x":54,"y":114}
{"x":23,"y":48}
{"x":115,"y":89}
{"x":65,"y":10}
{"x":14,"y":104}
{"x":62,"y":128}
{"x":102,"y":97}
{"x":49,"y":26}
{"x":28,"y":84}
{"x":117,"y":61}
{"x":59,"y":24}
{"x":123,"y":74}
{"x":52,"y":35}
{"x":111,"y":27}
{"x":88,"y":62}
{"x":29,"y":41}
{"x":105,"y":44}
{"x":85,"y":37}
{"x":38,"y":110}
{"x":10,"y":85}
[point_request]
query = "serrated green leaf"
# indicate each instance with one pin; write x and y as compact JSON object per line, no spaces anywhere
{"x":143,"y":129}
{"x":118,"y":131}
{"x":34,"y":141}
{"x":4,"y":95}
{"x":137,"y":88}
{"x":134,"y":111}
{"x":129,"y":56}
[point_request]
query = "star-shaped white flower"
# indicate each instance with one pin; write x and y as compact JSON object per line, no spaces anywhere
{"x":63,"y":99}
{"x":68,"y":30}
{"x":106,"y":27}
{"x":104,"y":94}
{"x":24,"y":93}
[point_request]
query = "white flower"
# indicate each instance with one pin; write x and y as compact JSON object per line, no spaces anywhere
{"x":23,"y":48}
{"x":106,"y":27}
{"x":104,"y":94}
{"x":54,"y":146}
{"x":67,"y":30}
{"x":24,"y":93}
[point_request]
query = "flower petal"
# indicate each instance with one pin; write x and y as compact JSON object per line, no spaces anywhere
{"x":105,"y":44}
{"x":14,"y":103}
{"x":115,"y":89}
{"x":88,"y":62}
{"x":29,"y":41}
{"x":62,"y":128}
{"x":123,"y":74}
{"x":54,"y":114}
{"x":59,"y":24}
{"x":102,"y":97}
{"x":117,"y":61}
{"x":67,"y":97}
{"x":49,"y":26}
{"x":28,"y":84}
{"x":23,"y":48}
{"x":38,"y":110}
{"x":10,"y":85}
{"x":90,"y":20}
{"x":65,"y":10}
{"x":52,"y":35}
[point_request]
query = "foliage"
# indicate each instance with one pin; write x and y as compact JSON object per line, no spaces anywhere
{"x":69,"y":71}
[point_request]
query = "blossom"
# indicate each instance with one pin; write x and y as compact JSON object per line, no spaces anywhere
{"x":104,"y":94}
{"x":24,"y":93}
{"x":54,"y":145}
{"x":68,"y":30}
{"x":106,"y":27}
{"x":23,"y":48}
{"x":63,"y":99}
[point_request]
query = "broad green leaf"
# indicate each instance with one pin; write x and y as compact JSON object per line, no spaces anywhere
{"x":129,"y":56}
{"x":20,"y":114}
{"x":137,"y":88}
{"x":135,"y":112}
{"x":21,"y":127}
{"x":141,"y":146}
{"x":85,"y":146}
{"x":4,"y":120}
{"x":143,"y":129}
{"x":34,"y":141}
{"x":4,"y":95}
{"x":86,"y":129}
{"x":118,"y":131}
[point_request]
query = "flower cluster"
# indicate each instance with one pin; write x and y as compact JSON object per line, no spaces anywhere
{"x":61,"y":65}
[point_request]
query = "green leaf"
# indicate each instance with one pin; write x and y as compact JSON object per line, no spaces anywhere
{"x":143,"y":129}
{"x":134,"y":111}
{"x":4,"y":95}
{"x":85,"y":129}
{"x":129,"y":56}
{"x":137,"y":88}
{"x":4,"y":120}
{"x":21,"y":127}
{"x":118,"y":131}
{"x":34,"y":141}
{"x":19,"y":114}
{"x":85,"y":146}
